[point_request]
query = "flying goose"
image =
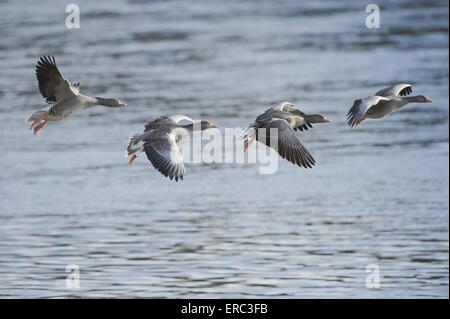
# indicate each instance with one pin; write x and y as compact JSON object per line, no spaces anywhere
{"x":384,"y":102}
{"x":159,"y":142}
{"x":63,"y":99}
{"x":287,"y":119}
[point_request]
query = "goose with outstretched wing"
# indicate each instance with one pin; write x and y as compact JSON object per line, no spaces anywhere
{"x":384,"y":102}
{"x":63,"y":99}
{"x":160,"y":141}
{"x":285,"y":118}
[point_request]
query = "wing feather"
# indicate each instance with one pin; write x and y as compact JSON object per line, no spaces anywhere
{"x":286,"y":143}
{"x":52,"y":84}
{"x":360,"y":107}
{"x":403,"y":89}
{"x":165,"y":156}
{"x":165,"y":119}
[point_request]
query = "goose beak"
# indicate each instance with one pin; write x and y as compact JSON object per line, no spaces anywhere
{"x":428,"y":100}
{"x":121,"y":104}
{"x":327,"y":120}
{"x":214,"y":126}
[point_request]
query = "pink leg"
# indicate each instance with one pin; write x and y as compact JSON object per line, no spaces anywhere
{"x":37,"y":127}
{"x":37,"y":121}
{"x":131,"y":158}
{"x":246,"y":144}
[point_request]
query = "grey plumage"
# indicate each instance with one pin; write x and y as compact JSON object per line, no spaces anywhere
{"x":286,"y":119}
{"x":161,"y":147}
{"x":159,"y":142}
{"x":63,"y":99}
{"x":52,"y":84}
{"x":164,"y":154}
{"x":396,"y":90}
{"x":384,"y":102}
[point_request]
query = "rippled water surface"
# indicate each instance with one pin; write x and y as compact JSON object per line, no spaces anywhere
{"x":378,"y":195}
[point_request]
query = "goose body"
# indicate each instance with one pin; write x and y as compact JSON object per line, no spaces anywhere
{"x":286,"y":119}
{"x":384,"y":102}
{"x":160,"y":141}
{"x":63,"y":99}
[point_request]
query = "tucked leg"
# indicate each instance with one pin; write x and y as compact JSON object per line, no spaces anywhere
{"x":131,"y":158}
{"x":37,"y":121}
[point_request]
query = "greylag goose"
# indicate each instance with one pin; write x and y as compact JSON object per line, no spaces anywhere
{"x":384,"y":102}
{"x":63,"y":99}
{"x":159,"y":142}
{"x":287,"y":119}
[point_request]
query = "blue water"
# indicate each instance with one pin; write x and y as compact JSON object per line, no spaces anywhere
{"x":378,"y":194}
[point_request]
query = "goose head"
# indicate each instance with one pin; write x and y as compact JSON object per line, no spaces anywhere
{"x":110,"y":102}
{"x":204,"y":125}
{"x":318,"y":118}
{"x":423,"y":99}
{"x":117,"y":103}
